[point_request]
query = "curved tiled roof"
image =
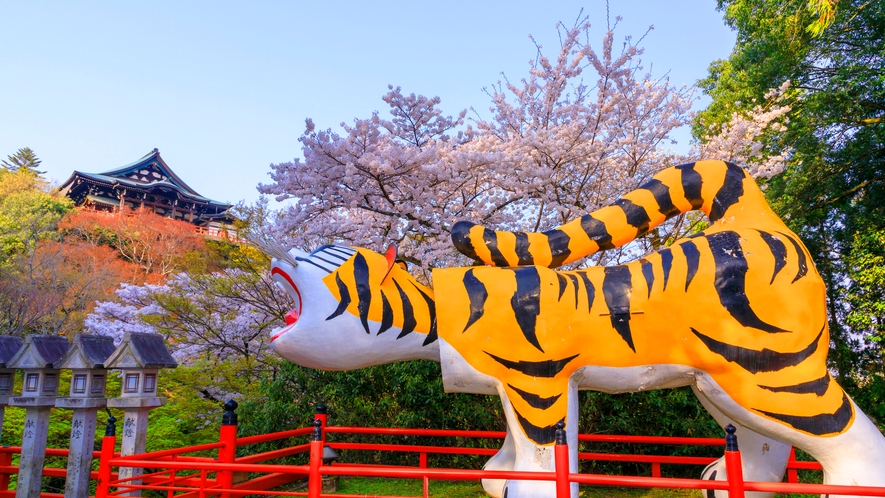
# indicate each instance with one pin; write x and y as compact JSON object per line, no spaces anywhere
{"x":170,"y":181}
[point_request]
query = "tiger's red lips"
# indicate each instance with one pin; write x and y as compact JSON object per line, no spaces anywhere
{"x":291,"y":318}
{"x":294,"y":313}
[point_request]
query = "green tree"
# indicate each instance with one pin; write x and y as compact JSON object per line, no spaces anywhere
{"x":831,"y":53}
{"x":29,"y":212}
{"x":23,"y":159}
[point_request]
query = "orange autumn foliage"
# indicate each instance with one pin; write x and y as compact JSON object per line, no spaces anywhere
{"x":52,"y":290}
{"x":156,"y":244}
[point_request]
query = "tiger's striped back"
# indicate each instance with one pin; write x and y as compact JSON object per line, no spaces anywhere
{"x":723,"y":191}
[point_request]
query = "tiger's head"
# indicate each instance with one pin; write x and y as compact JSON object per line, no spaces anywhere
{"x":353,"y":308}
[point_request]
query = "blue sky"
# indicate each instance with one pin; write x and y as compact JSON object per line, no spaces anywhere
{"x":223,"y":88}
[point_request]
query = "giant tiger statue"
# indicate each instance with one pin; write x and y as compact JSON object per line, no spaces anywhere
{"x":737,"y":312}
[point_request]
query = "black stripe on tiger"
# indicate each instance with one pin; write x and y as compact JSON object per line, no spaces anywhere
{"x":558,"y":242}
{"x":661,"y":194}
{"x":590,"y":290}
{"x":732,"y":189}
{"x":540,"y":435}
{"x":547,"y":368}
{"x":431,"y":312}
{"x":563,"y":284}
{"x":636,"y":215}
{"x":310,"y":261}
{"x":803,"y":265}
{"x":755,"y":361}
{"x":666,"y":263}
{"x":778,"y":250}
{"x":344,"y":302}
{"x":818,"y":387}
{"x":329,"y":250}
{"x":819,"y":425}
{"x":386,"y":315}
{"x":461,"y":239}
{"x":649,"y":273}
{"x":692,"y":260}
{"x":477,"y":295}
{"x":534,"y":400}
{"x":711,"y":493}
{"x":522,"y":250}
{"x":363,"y":289}
{"x":691,"y":185}
{"x":597,"y":232}
{"x":334,"y":264}
{"x":574,"y":280}
{"x":730,"y":282}
{"x":490,"y":237}
{"x":526,"y":302}
{"x":409,"y":321}
{"x":617,"y":287}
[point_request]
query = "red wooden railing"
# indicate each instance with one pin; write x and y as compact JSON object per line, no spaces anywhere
{"x":181,"y":474}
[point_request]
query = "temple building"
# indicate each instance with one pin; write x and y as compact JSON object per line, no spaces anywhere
{"x":150,"y":184}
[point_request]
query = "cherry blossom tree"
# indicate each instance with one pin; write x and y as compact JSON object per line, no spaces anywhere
{"x":740,"y":138}
{"x":583,"y":128}
{"x":222,"y":317}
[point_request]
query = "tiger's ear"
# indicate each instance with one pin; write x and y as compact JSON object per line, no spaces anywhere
{"x":390,"y":256}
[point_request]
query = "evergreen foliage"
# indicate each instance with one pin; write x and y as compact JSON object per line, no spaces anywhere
{"x":23,"y":160}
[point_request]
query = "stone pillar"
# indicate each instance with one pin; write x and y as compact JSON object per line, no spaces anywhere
{"x":138,"y":357}
{"x":9,"y":346}
{"x":134,"y":430}
{"x":85,"y":358}
{"x":4,"y":402}
{"x":82,"y":444}
{"x":30,"y":471}
{"x":37,"y":357}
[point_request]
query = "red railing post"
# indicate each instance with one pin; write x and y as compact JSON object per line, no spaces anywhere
{"x":107,"y":453}
{"x":5,"y":461}
{"x":563,"y":487}
{"x":656,"y":469}
{"x":172,"y":480}
{"x":315,"y":478}
{"x":202,"y":483}
{"x":422,"y":462}
{"x":733,"y":469}
{"x":228,"y":452}
{"x":792,"y":473}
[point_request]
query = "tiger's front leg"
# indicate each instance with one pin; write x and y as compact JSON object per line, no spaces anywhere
{"x":533,"y":446}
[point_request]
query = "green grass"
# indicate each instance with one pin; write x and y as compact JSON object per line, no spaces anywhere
{"x":371,"y":486}
{"x":381,"y":486}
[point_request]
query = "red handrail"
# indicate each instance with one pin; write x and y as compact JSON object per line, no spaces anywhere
{"x":563,"y":479}
{"x":172,"y":472}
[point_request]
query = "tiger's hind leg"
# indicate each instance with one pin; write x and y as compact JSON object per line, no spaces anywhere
{"x":764,"y":459}
{"x":831,"y":428}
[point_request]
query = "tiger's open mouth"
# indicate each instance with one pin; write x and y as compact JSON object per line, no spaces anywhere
{"x":282,"y":279}
{"x":291,"y":318}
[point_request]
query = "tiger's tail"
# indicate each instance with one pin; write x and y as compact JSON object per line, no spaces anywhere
{"x":723,"y":191}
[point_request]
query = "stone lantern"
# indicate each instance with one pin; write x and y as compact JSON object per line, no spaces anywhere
{"x":9,"y":345}
{"x":139,"y":357}
{"x":86,"y":357}
{"x":38,"y":358}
